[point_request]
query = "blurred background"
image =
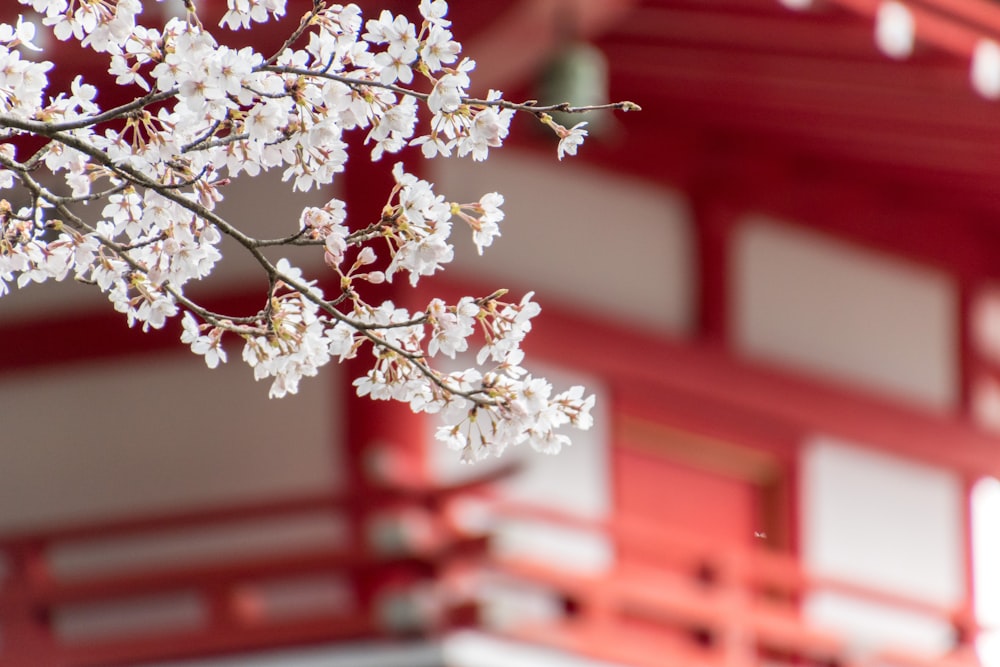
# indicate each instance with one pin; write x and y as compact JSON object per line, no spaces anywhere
{"x":781,"y":279}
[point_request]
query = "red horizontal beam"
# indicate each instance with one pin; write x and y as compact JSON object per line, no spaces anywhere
{"x":416,"y":494}
{"x":980,"y":14}
{"x":776,"y":32}
{"x":934,"y":96}
{"x":350,"y":560}
{"x":949,"y":166}
{"x":43,"y":595}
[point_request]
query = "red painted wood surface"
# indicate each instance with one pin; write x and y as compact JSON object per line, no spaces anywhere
{"x":681,"y":498}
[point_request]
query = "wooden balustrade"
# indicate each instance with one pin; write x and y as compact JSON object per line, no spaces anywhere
{"x":673,"y":599}
{"x":211,"y":581}
{"x":679,"y":600}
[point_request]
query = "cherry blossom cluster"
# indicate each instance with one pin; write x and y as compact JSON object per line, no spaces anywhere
{"x":125,"y":198}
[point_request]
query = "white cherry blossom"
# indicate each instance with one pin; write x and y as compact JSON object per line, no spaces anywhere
{"x":133,"y":209}
{"x":570,"y":140}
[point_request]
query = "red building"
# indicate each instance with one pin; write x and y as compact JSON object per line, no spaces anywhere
{"x":794,"y":334}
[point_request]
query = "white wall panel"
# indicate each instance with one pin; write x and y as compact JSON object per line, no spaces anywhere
{"x":263,"y":207}
{"x":888,"y":524}
{"x":809,"y":301}
{"x":579,"y":236}
{"x":101,"y":440}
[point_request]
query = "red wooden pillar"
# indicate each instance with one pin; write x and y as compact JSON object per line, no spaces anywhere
{"x":368,"y":423}
{"x":27,"y":634}
{"x":382,"y":440}
{"x":972,"y":269}
{"x":714,"y":220}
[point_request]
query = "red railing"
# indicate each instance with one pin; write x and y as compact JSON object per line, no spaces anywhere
{"x":676,"y":600}
{"x":207,"y":582}
{"x":237,"y":578}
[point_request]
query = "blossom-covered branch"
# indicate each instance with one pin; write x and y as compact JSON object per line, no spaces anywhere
{"x":133,"y":211}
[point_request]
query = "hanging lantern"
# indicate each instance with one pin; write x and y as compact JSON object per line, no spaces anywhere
{"x":577,"y":74}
